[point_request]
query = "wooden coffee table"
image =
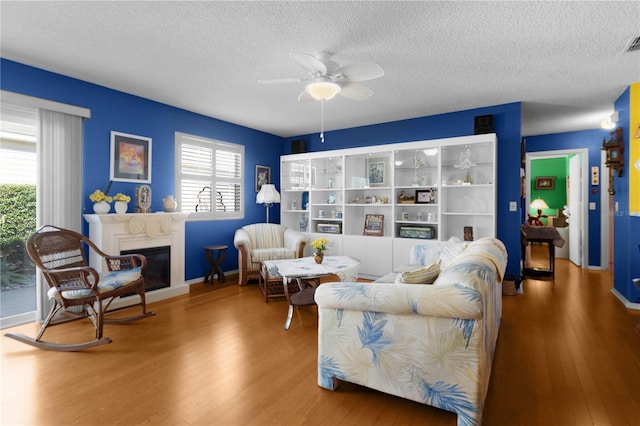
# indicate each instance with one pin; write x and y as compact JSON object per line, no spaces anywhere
{"x":305,"y":267}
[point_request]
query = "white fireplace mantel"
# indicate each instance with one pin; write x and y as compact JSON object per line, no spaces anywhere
{"x":114,"y":233}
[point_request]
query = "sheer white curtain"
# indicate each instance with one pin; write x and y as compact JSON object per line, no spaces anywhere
{"x":59,"y":187}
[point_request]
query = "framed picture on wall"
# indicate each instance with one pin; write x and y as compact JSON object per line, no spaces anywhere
{"x":130,"y":158}
{"x":545,"y":182}
{"x":263,"y":175}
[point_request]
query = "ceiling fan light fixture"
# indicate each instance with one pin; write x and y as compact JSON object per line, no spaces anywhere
{"x":323,"y":90}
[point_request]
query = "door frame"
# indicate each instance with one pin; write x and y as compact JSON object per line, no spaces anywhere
{"x":584,"y":204}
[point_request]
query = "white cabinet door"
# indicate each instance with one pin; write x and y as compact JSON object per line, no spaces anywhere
{"x":375,"y":254}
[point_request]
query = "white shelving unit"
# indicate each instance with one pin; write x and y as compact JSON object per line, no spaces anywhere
{"x":425,"y":190}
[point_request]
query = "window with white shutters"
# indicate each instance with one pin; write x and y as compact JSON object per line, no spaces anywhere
{"x":209,"y":176}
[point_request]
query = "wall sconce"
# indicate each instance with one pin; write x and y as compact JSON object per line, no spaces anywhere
{"x":637,"y":135}
{"x":615,"y":155}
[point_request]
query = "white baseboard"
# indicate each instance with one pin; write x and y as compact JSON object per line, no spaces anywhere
{"x":625,"y":302}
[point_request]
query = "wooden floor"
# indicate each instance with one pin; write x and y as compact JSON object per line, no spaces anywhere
{"x":567,"y":354}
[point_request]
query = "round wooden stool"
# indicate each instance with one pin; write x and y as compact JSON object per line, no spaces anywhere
{"x":215,"y":262}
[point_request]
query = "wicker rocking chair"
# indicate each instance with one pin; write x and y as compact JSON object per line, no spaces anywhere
{"x":61,"y":256}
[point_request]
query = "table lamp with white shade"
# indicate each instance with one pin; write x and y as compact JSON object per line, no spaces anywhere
{"x":538,"y":204}
{"x":267,"y":196}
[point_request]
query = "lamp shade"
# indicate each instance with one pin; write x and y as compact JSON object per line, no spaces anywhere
{"x":268,"y":194}
{"x":322,"y":90}
{"x":539,"y":204}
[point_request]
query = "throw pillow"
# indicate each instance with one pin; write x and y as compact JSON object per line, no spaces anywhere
{"x":424,"y":275}
{"x":451,"y":249}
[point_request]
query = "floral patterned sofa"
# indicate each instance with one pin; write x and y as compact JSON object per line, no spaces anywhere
{"x":429,"y":343}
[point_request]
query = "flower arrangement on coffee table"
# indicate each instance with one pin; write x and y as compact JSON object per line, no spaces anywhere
{"x":320,"y":245}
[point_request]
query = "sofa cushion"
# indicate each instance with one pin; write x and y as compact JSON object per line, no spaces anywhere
{"x":108,"y":281}
{"x":262,"y":254}
{"x":423,"y":275}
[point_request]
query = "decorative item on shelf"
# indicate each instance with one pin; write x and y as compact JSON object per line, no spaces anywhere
{"x":404,"y":198}
{"x":331,"y":198}
{"x":319,"y":246}
{"x":329,"y":228}
{"x":100,"y":202}
{"x":374,"y":225}
{"x":466,"y":164}
{"x":305,"y":200}
{"x":468,"y":233}
{"x":143,"y":199}
{"x":420,"y":232}
{"x":267,"y":196}
{"x":615,"y":155}
{"x":169,"y":203}
{"x":121,"y":202}
{"x":303,"y":222}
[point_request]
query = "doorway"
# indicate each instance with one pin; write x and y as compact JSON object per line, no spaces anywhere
{"x":577,"y":234}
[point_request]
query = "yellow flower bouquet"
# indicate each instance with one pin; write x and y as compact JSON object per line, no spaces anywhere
{"x":320,"y":245}
{"x":121,"y":197}
{"x":98,"y":196}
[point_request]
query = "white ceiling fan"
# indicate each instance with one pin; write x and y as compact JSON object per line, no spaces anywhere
{"x":327,"y":78}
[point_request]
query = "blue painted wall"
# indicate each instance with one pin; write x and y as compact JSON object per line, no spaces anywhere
{"x":507,"y":125}
{"x":114,"y":110}
{"x":626,"y":228}
{"x":592,"y":140}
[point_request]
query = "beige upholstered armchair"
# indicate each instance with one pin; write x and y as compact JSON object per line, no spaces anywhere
{"x":265,"y":241}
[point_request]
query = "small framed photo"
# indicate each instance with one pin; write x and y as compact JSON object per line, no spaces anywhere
{"x":377,"y":171}
{"x":423,"y":196}
{"x":130,"y":158}
{"x":374,"y":224}
{"x":263,"y":175}
{"x":545,"y":182}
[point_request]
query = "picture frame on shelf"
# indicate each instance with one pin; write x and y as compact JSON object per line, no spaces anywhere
{"x":130,"y":158}
{"x":423,"y":196}
{"x":377,"y":172}
{"x":545,"y":182}
{"x":263,"y":176}
{"x":374,"y":225}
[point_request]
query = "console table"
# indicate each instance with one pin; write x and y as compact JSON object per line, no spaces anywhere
{"x":539,"y":234}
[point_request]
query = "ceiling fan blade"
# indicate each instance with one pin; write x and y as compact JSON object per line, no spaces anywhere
{"x":356,"y":91}
{"x":309,"y":63}
{"x":281,"y":80}
{"x":304,"y":96}
{"x":359,"y":72}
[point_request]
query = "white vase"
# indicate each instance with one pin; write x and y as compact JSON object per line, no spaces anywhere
{"x":169,"y":203}
{"x":121,"y":207}
{"x":101,"y":207}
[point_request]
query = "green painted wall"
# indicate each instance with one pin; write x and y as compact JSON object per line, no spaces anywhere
{"x":555,"y":198}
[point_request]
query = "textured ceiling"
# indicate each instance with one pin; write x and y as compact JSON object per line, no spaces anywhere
{"x":564,"y":60}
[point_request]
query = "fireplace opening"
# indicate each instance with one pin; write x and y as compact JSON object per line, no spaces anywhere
{"x":157,"y":274}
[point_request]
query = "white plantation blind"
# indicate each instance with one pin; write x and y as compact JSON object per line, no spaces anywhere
{"x":209,"y":176}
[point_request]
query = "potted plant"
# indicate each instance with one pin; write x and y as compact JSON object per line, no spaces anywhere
{"x":100,"y":202}
{"x":320,"y":245}
{"x":121,"y":204}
